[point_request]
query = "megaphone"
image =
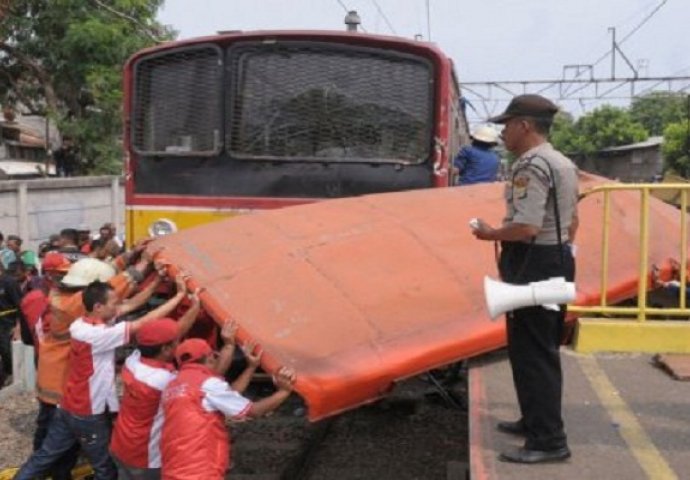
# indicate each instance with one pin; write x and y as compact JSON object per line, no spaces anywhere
{"x":502,"y":297}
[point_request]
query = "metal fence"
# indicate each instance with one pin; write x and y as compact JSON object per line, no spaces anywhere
{"x":632,"y":329}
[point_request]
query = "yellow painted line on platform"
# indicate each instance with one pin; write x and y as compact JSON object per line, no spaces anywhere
{"x":641,"y":446}
{"x":80,"y":472}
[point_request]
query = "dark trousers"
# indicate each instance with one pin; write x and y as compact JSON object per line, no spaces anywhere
{"x":125,"y":472}
{"x":7,"y":324}
{"x":92,"y":432}
{"x":534,"y":337}
{"x":61,"y":469}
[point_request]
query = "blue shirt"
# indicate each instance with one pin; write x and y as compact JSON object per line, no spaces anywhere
{"x":476,"y":165}
{"x":7,"y":256}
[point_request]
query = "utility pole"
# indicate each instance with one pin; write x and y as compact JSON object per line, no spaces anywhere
{"x":615,"y":48}
{"x":613,"y":52}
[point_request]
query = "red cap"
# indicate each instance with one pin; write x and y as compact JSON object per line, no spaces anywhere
{"x":55,"y":262}
{"x":157,"y":332}
{"x":191,"y":350}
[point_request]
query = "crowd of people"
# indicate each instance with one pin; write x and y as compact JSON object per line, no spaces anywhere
{"x":77,"y":301}
{"x":22,"y":271}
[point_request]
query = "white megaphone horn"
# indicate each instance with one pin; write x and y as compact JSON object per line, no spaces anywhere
{"x":502,"y":297}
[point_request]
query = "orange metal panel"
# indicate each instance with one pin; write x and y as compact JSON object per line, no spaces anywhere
{"x":358,"y":293}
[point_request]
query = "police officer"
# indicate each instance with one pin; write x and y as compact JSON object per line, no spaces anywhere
{"x":536,"y":237}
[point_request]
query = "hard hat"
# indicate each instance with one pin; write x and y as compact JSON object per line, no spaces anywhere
{"x":485,"y":134}
{"x":55,"y":262}
{"x":29,"y":258}
{"x":87,"y":270}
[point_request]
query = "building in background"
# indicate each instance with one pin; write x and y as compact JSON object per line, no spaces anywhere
{"x":23,"y":147}
{"x":637,"y":162}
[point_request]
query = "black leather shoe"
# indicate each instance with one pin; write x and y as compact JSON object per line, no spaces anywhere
{"x":525,"y":455}
{"x":514,"y":428}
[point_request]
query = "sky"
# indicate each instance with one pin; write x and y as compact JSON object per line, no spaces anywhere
{"x":488,"y":40}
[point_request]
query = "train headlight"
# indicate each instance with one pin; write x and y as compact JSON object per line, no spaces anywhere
{"x":162,"y":227}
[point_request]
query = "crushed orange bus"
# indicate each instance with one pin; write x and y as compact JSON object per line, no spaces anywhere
{"x":356,"y":294}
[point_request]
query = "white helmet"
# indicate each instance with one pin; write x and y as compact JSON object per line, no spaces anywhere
{"x":485,"y":134}
{"x":87,"y":270}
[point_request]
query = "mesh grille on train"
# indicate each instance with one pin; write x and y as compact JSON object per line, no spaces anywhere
{"x":177,"y":102}
{"x":326,"y":102}
{"x":285,"y":101}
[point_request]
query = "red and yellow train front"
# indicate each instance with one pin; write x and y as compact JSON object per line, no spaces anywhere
{"x":219,"y":126}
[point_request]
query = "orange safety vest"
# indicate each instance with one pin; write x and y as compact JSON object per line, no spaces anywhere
{"x":65,"y":308}
{"x":194,"y":443}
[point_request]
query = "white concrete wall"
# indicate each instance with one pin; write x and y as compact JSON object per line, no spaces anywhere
{"x":34,"y":209}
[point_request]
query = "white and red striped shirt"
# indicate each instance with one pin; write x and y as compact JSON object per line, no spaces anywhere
{"x":137,"y":434}
{"x":90,"y":387}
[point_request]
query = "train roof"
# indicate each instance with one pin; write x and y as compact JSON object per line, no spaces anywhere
{"x":356,"y":294}
{"x":350,"y":38}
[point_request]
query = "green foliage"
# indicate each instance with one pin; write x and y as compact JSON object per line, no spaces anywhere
{"x":676,"y":148}
{"x":563,"y":135}
{"x":658,"y":109}
{"x":63,"y":58}
{"x":604,"y":127}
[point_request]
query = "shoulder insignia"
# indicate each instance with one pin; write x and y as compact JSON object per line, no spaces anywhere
{"x":520,"y":184}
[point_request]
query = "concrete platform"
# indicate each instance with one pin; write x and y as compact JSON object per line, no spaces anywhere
{"x":625,"y":419}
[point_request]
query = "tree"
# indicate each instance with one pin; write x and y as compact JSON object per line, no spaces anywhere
{"x":563,"y":134}
{"x":658,"y":109}
{"x":604,"y":127}
{"x":676,"y":147}
{"x":63,"y":59}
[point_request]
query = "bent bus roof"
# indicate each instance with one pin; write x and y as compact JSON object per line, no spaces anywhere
{"x":358,"y":293}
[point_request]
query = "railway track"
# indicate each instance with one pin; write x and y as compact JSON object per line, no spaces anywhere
{"x":417,"y":432}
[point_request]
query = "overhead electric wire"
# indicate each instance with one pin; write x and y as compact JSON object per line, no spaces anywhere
{"x":347,"y":10}
{"x":627,"y":36}
{"x":633,"y":31}
{"x":385,"y":18}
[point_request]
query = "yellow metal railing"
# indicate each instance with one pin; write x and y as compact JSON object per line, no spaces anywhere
{"x":642,"y":310}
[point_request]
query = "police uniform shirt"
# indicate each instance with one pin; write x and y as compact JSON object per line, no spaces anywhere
{"x":527,"y":192}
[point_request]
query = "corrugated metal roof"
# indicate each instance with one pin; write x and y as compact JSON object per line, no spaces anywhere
{"x":649,"y":143}
{"x":17,"y":168}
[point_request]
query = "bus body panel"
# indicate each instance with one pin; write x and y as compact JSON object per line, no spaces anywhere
{"x":357,"y":294}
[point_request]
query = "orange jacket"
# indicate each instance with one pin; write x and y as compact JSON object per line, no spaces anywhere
{"x":65,"y":308}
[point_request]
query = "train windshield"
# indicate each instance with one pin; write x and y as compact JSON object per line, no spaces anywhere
{"x":328,"y":103}
{"x":284,"y":101}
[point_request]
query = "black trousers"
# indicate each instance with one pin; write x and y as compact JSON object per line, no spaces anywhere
{"x":7,"y":324}
{"x":534,"y":338}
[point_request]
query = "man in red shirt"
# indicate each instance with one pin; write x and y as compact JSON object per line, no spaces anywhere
{"x":89,"y":395}
{"x":135,"y":446}
{"x":195,"y":443}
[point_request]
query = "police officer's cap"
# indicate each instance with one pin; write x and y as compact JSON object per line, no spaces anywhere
{"x":529,"y":105}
